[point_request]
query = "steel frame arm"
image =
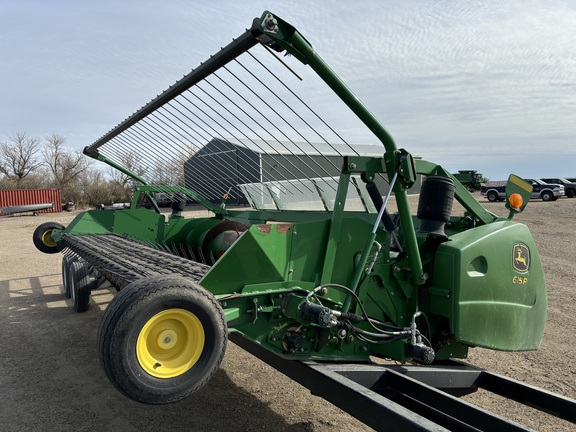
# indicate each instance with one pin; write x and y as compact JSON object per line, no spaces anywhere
{"x":287,"y":37}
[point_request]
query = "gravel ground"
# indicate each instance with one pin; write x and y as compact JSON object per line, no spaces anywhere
{"x":51,"y":378}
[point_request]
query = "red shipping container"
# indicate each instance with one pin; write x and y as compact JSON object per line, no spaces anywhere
{"x":20,"y":197}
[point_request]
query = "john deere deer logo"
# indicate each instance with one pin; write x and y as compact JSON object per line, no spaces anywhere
{"x":521,"y":257}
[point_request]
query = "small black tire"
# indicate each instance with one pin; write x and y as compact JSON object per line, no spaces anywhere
{"x":161,"y":339}
{"x":547,"y":196}
{"x":42,"y":237}
{"x":80,"y":285}
{"x":66,"y":262}
{"x":492,"y":196}
{"x":570,"y":193}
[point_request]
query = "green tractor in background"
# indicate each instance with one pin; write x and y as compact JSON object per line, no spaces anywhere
{"x":470,"y":179}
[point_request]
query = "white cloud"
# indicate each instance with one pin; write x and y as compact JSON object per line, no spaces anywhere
{"x":466,"y":84}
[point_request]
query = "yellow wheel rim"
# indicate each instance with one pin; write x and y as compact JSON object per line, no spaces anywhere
{"x":47,"y":238}
{"x":170,"y":343}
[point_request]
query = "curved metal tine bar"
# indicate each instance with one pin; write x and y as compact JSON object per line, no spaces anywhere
{"x":179,"y":136}
{"x":246,"y":136}
{"x":173,"y":161}
{"x":267,"y":118}
{"x":289,"y":107}
{"x":283,"y":84}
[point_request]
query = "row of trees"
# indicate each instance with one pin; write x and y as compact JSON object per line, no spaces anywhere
{"x":28,"y":162}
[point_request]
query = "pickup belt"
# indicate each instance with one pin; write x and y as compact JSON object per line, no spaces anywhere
{"x":122,"y":260}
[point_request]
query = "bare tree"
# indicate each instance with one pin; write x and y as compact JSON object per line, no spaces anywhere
{"x":19,"y":156}
{"x":171,"y":172}
{"x":65,"y":166}
{"x":132,"y":161}
{"x":97,"y":189}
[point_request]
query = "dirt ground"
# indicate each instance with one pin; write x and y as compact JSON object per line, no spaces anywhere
{"x":51,"y":379}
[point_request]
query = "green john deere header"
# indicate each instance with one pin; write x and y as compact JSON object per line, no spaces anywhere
{"x":320,"y":257}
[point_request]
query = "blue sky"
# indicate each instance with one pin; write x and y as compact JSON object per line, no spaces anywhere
{"x":486,"y":85}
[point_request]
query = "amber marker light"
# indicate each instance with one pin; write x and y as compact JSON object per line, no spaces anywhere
{"x":515,"y":201}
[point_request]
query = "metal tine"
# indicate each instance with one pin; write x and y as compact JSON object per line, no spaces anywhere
{"x":149,"y":244}
{"x":154,"y":149}
{"x":192,"y":254}
{"x":275,"y":139}
{"x":260,"y":98}
{"x":287,"y":105}
{"x":207,"y":132}
{"x":162,"y":246}
{"x":172,"y":249}
{"x":219,"y":104}
{"x":245,"y":136}
{"x":217,"y":168}
{"x":283,"y":84}
{"x":182,"y":251}
{"x":129,"y":135}
{"x":240,"y":157}
{"x":133,"y":135}
{"x":253,"y":107}
{"x":117,"y":152}
{"x":267,"y":118}
{"x":195,"y":148}
{"x":261,"y":190}
{"x":202,"y":260}
{"x":124,"y":138}
{"x":253,"y":131}
{"x":127,"y":138}
{"x":144,"y":134}
{"x":176,"y":250}
{"x":234,"y":49}
{"x":246,"y":179}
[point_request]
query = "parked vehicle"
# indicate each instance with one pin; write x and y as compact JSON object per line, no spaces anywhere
{"x":496,"y":191}
{"x":569,"y":185}
{"x":546,"y":191}
{"x":162,"y":199}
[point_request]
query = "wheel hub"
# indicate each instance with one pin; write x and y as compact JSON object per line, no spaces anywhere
{"x":167,"y":339}
{"x":170,"y":343}
{"x":47,"y":238}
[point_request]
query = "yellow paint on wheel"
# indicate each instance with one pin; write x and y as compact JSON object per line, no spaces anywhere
{"x":47,"y":238}
{"x":170,"y":343}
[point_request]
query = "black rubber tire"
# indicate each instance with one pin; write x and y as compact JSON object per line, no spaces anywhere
{"x":547,"y":196}
{"x":66,"y":262}
{"x":80,"y":285}
{"x":492,"y":196}
{"x":42,"y":237}
{"x":139,"y":304}
{"x":570,"y":193}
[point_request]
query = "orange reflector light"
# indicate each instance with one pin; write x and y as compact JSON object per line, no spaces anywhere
{"x":515,"y":201}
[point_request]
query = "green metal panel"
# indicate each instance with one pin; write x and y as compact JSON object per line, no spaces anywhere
{"x":260,"y":255}
{"x":497,"y":303}
{"x":139,"y":223}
